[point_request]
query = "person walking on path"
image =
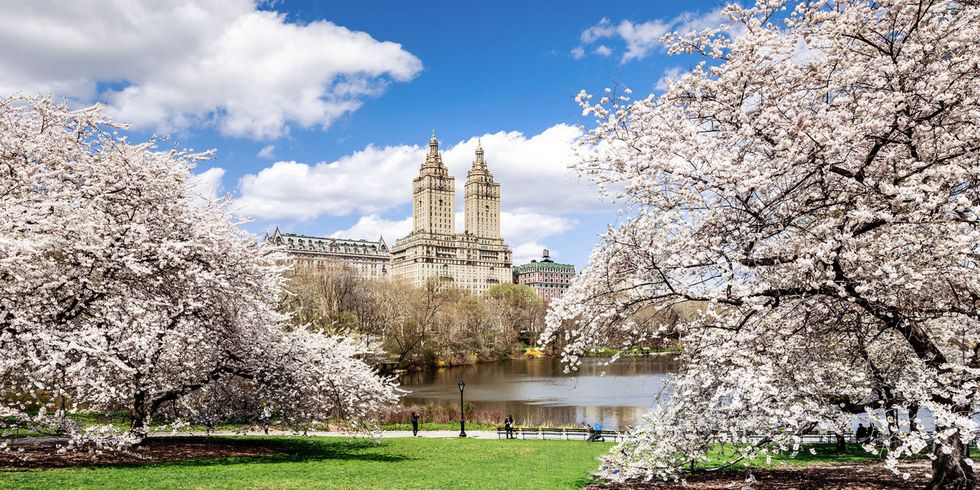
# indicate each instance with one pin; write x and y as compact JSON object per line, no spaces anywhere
{"x":509,"y":426}
{"x":415,"y":424}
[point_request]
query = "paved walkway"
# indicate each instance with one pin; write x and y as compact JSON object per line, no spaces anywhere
{"x":432,"y":434}
{"x":388,"y":434}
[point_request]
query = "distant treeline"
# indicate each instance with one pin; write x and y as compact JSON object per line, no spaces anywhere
{"x":434,"y":325}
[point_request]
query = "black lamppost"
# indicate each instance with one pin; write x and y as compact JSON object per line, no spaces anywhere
{"x":462,"y":417}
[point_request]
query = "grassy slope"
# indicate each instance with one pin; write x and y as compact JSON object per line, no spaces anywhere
{"x":341,"y":463}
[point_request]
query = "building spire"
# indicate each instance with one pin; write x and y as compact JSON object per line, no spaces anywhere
{"x":433,"y":158}
{"x":479,"y":163}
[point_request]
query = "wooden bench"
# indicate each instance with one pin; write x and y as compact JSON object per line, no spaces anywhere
{"x":557,"y":433}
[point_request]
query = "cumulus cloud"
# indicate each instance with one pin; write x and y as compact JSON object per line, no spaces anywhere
{"x":527,"y":233}
{"x":206,"y":185}
{"x":372,"y":226}
{"x":517,"y":227}
{"x":600,"y":30}
{"x":364,"y":182}
{"x":533,"y":173}
{"x":172,"y":64}
{"x":267,"y":152}
{"x":640,"y":38}
{"x":524,"y":232}
{"x":527,"y":251}
{"x":578,"y":53}
{"x":671,"y":74}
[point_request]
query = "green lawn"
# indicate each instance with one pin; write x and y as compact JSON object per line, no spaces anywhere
{"x":822,"y":453}
{"x":342,"y":463}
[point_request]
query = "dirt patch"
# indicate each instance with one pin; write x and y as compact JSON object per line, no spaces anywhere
{"x":154,"y":450}
{"x":856,"y":476}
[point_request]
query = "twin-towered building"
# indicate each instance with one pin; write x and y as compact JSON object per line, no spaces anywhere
{"x":473,"y":260}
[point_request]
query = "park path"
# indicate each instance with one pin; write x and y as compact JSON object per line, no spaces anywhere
{"x":388,"y":434}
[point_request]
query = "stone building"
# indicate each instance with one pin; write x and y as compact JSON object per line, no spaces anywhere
{"x":369,"y":259}
{"x":547,"y":277}
{"x":473,"y":260}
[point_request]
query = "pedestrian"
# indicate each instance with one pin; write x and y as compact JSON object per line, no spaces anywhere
{"x":861,"y":434}
{"x":266,"y":419}
{"x":415,"y":424}
{"x":509,"y":426}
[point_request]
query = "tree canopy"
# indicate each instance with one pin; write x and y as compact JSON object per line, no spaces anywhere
{"x":122,"y":290}
{"x":814,"y":181}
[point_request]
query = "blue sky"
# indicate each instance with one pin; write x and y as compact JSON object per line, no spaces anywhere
{"x":300,"y":98}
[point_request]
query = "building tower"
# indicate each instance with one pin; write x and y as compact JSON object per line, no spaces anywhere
{"x":481,"y":207}
{"x":433,"y":194}
{"x":473,"y":261}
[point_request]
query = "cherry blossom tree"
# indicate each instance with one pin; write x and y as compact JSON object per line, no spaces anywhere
{"x":122,"y":289}
{"x":814,"y":182}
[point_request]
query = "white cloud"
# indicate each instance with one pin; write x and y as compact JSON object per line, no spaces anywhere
{"x":206,"y":185}
{"x":517,"y":227}
{"x":372,"y":226}
{"x":524,"y":252}
{"x":578,"y":53}
{"x":208,"y":182}
{"x":526,"y":233}
{"x":602,"y":29}
{"x":643,"y":37}
{"x":523,"y":226}
{"x":533,"y":173}
{"x":267,"y":152}
{"x":671,"y":74}
{"x":525,"y":230}
{"x":172,"y":64}
{"x":366,"y":182}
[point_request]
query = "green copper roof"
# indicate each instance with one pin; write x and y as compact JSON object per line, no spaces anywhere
{"x":540,"y":265}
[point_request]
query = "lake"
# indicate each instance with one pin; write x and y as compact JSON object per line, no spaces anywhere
{"x":537,"y":392}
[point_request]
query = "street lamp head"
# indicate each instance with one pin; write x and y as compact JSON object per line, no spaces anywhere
{"x":461,"y":384}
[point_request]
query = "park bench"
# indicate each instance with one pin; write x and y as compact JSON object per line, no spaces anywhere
{"x":557,"y":433}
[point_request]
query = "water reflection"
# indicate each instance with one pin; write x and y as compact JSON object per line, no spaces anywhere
{"x":537,"y":392}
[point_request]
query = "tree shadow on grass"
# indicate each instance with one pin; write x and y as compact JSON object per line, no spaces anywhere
{"x":207,"y":451}
{"x":296,"y":450}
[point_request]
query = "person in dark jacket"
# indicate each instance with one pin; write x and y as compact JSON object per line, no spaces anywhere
{"x":509,"y":426}
{"x":861,"y":434}
{"x":415,"y":424}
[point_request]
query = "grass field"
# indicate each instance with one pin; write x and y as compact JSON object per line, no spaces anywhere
{"x":333,"y":462}
{"x":342,"y":463}
{"x":822,"y":453}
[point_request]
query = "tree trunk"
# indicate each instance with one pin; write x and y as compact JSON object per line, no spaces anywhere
{"x":950,"y":471}
{"x":138,"y":417}
{"x":893,"y":428}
